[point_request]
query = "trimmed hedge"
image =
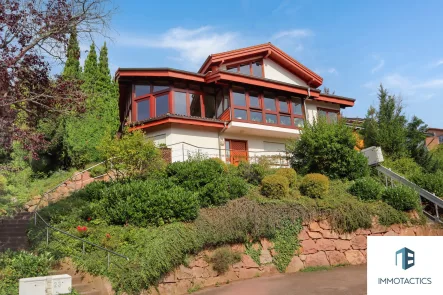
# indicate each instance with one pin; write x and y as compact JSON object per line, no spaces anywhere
{"x":252,"y":173}
{"x":314,"y":185}
{"x":289,"y":173}
{"x":401,"y":198}
{"x":366,"y":189}
{"x":275,"y":186}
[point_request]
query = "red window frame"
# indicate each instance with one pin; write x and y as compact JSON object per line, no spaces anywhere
{"x":327,"y":113}
{"x":237,"y":65}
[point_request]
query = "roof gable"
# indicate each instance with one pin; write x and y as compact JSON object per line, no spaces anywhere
{"x":266,"y":50}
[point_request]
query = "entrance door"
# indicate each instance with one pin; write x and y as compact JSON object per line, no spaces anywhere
{"x":236,"y":151}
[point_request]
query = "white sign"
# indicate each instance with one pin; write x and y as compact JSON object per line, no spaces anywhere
{"x":404,"y":265}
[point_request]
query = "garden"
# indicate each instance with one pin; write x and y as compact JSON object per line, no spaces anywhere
{"x":159,"y":215}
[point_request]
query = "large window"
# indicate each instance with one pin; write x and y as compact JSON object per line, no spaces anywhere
{"x":238,"y":96}
{"x":209,"y":103}
{"x":330,"y":115}
{"x":297,"y":112}
{"x":440,"y":139}
{"x":180,"y":107}
{"x":195,"y":107}
{"x":253,"y":68}
{"x":143,"y":110}
{"x":161,"y":105}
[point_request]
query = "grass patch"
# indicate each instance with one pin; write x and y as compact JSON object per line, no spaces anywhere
{"x":321,"y":268}
{"x":253,"y":253}
{"x":23,"y":185}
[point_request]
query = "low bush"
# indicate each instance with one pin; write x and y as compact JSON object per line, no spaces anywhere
{"x":404,"y":166}
{"x":314,"y":185}
{"x":253,"y":172}
{"x":150,"y":202}
{"x":289,"y":173}
{"x":214,"y":184}
{"x":432,"y":182}
{"x":275,"y":186}
{"x":367,"y":189}
{"x":401,"y":198}
{"x":222,"y":258}
{"x":286,"y":243}
{"x":18,"y":265}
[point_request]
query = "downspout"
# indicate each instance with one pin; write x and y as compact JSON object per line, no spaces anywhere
{"x":304,"y":104}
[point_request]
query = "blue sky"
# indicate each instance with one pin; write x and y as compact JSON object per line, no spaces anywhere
{"x":353,"y":45}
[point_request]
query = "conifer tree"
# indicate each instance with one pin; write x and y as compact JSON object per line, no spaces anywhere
{"x":103,"y":67}
{"x":72,"y":68}
{"x":90,"y":71}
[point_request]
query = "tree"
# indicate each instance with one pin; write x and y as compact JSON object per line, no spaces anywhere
{"x":32,"y":32}
{"x":100,"y":120}
{"x":327,"y":148}
{"x":90,"y":73}
{"x":385,"y":126}
{"x":72,"y":68}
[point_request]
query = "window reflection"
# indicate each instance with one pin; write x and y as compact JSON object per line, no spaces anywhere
{"x":209,"y":102}
{"x":143,"y":110}
{"x":254,"y":101}
{"x":161,"y":105}
{"x":299,"y":122}
{"x":238,"y":96}
{"x":240,"y":114}
{"x":141,"y":90}
{"x":283,"y":105}
{"x":257,"y":69}
{"x":297,"y":106}
{"x":285,"y":120}
{"x":271,"y":119}
{"x":269,"y":103}
{"x":180,"y":103}
{"x":256,"y":116}
{"x":195,"y":105}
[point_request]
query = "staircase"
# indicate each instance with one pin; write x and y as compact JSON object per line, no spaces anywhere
{"x":83,"y":283}
{"x":13,"y":232}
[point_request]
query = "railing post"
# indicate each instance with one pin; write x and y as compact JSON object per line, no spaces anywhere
{"x":35,"y":218}
{"x":47,"y":236}
{"x":437,"y":216}
{"x":183,"y":152}
{"x":109,"y":259}
{"x":386,"y":180}
{"x":83,"y":250}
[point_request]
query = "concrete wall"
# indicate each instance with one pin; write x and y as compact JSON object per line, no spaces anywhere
{"x":276,"y":72}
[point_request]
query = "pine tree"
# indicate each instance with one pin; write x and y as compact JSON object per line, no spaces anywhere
{"x":103,"y":67}
{"x":90,"y":73}
{"x":72,"y":68}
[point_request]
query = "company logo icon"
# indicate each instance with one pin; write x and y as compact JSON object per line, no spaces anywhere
{"x":407,"y":258}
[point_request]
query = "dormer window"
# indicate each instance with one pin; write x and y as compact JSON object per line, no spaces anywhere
{"x":252,"y":68}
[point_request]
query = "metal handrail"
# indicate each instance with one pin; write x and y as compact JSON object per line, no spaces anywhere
{"x":438,"y":202}
{"x":77,"y":238}
{"x":48,"y":226}
{"x":218,"y":149}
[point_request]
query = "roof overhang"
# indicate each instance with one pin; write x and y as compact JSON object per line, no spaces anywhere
{"x":264,"y":50}
{"x":158,"y":72}
{"x":343,"y":101}
{"x":169,"y":118}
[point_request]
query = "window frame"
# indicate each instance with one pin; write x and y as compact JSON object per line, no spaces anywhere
{"x":249,"y":62}
{"x":440,"y":139}
{"x":327,"y":113}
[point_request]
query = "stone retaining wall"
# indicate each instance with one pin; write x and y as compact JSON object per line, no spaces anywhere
{"x":320,"y":246}
{"x":79,"y":181}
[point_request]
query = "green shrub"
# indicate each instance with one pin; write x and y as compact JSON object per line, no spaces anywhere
{"x":314,"y":185}
{"x":275,"y":186}
{"x":285,"y":243}
{"x":328,"y":148}
{"x":253,"y":172}
{"x":3,"y":184}
{"x":94,"y":191}
{"x":404,"y":166}
{"x":148,"y":202}
{"x":401,"y":198}
{"x":367,"y":189}
{"x":432,"y":182}
{"x":222,"y":258}
{"x":214,"y":184}
{"x":289,"y":173}
{"x":132,"y":156}
{"x":18,"y":265}
{"x":98,"y":170}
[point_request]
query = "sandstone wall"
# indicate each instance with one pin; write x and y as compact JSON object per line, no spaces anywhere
{"x":77,"y":182}
{"x":320,"y":246}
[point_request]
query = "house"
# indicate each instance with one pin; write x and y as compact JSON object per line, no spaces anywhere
{"x":240,"y":104}
{"x":434,"y":137}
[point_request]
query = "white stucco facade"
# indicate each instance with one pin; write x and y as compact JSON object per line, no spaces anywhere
{"x":312,"y":108}
{"x":276,"y":72}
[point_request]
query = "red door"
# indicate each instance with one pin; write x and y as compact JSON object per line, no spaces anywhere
{"x":237,"y":151}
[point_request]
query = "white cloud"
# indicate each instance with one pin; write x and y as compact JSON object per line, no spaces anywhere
{"x":298,"y":33}
{"x":192,"y":45}
{"x":379,"y":66}
{"x":437,"y":63}
{"x":332,"y":71}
